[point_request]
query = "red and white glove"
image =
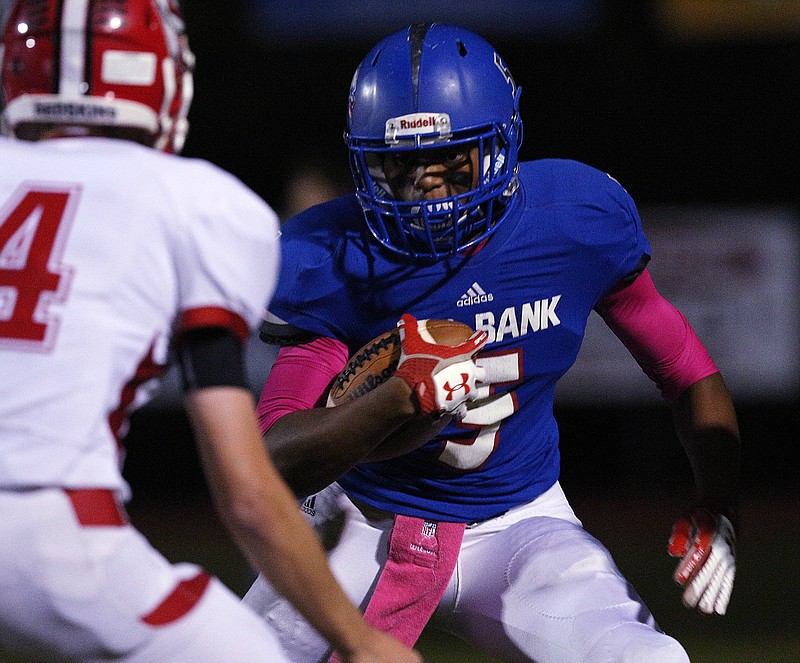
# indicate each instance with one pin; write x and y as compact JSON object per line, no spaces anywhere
{"x":442,"y":377}
{"x":707,"y":545}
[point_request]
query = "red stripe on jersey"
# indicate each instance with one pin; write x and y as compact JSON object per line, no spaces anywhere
{"x":147,"y":369}
{"x":96,"y":507}
{"x":179,"y":602}
{"x":214,"y":316}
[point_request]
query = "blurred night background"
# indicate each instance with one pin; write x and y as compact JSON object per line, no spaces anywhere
{"x":694,"y":106}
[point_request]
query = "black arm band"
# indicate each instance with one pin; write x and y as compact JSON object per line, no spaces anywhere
{"x":211,"y":357}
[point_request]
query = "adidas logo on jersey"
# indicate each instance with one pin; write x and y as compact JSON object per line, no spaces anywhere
{"x":308,"y":505}
{"x":475,"y":295}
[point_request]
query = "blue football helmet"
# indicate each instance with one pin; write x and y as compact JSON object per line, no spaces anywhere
{"x":425,"y":88}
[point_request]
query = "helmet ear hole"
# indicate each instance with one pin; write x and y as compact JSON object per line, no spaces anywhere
{"x":420,"y":89}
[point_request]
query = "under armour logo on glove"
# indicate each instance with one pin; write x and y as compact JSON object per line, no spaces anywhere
{"x":461,"y":385}
{"x":707,"y":545}
{"x":454,"y":386}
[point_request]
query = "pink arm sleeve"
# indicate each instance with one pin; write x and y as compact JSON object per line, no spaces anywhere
{"x":658,"y":336}
{"x":299,"y":377}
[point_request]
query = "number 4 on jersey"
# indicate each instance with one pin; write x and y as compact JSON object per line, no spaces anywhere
{"x":33,"y":232}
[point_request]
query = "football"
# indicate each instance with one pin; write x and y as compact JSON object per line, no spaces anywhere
{"x":377,"y":361}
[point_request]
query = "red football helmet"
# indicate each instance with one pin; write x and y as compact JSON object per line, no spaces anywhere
{"x":116,"y":63}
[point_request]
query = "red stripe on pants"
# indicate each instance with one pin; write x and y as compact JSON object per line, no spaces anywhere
{"x":180,"y":601}
{"x":96,"y":507}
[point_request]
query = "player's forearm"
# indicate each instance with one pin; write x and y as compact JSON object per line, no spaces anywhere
{"x":263,"y":516}
{"x":296,"y":566}
{"x":312,"y":448}
{"x":707,"y":426}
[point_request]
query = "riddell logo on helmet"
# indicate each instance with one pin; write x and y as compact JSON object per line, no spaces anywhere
{"x":419,"y":123}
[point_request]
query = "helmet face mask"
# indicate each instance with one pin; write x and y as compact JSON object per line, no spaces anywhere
{"x":123,"y":65}
{"x":457,"y":98}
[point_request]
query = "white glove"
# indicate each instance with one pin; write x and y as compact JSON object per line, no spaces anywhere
{"x":454,"y":385}
{"x":706,"y":543}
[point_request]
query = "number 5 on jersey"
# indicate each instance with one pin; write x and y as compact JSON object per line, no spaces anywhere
{"x":33,"y":231}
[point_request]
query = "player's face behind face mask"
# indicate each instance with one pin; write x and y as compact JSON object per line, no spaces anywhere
{"x":445,"y":178}
{"x":431,"y":174}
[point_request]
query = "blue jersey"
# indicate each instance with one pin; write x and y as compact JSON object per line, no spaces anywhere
{"x":573,"y":235}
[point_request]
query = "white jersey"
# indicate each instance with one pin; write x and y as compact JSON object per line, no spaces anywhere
{"x":107,"y":248}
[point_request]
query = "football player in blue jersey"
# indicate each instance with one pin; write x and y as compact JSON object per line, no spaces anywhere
{"x":461,"y":519}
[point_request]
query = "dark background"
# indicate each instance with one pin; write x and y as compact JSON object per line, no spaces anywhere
{"x":702,"y":113}
{"x":700,"y":120}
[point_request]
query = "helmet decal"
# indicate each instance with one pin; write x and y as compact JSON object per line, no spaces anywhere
{"x":435,"y":124}
{"x":505,"y":71}
{"x":416,"y":38}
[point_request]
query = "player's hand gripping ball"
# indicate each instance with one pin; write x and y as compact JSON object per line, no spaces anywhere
{"x":433,"y":356}
{"x":442,"y":376}
{"x":706,"y":544}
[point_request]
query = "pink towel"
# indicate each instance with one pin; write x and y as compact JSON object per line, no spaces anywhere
{"x":422,"y":557}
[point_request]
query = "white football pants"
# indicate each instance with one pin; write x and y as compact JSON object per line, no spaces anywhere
{"x":77,"y":593}
{"x":530,"y":585}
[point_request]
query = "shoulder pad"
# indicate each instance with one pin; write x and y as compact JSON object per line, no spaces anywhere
{"x":275,"y":332}
{"x":630,"y":278}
